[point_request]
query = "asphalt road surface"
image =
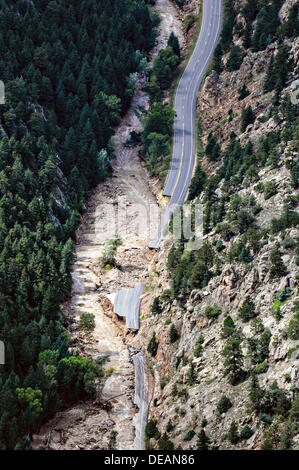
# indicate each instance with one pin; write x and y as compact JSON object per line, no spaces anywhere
{"x":127,"y":304}
{"x":141,"y":400}
{"x":184,"y":149}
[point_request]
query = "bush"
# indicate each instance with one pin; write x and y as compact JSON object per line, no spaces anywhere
{"x":233,"y":435}
{"x":288,"y":219}
{"x":248,"y":117}
{"x":153,"y":344}
{"x":228,"y":327}
{"x":191,"y":375}
{"x":189,"y":435}
{"x":269,"y":189}
{"x":265,"y":418}
{"x":212,"y":311}
{"x":246,"y":432}
{"x":224,"y":404}
{"x":151,"y":429}
{"x":243,"y":92}
{"x":293,"y":328}
{"x":240,"y":252}
{"x":169,"y":426}
{"x":277,"y":269}
{"x":156,"y":307}
{"x":87,"y":324}
{"x":284,"y":295}
{"x":261,"y":368}
{"x":235,"y":59}
{"x":165,"y":443}
{"x":198,"y":346}
{"x":164,"y":381}
{"x":173,"y":334}
{"x":225,"y":230}
{"x":189,"y":22}
{"x":247,"y":311}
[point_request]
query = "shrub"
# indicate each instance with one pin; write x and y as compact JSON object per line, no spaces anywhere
{"x":243,"y":220}
{"x":277,"y":268}
{"x":235,"y":59}
{"x":173,"y":334}
{"x":212,"y":311}
{"x":224,"y":404}
{"x":288,"y":219}
{"x":189,"y":22}
{"x":87,"y":324}
{"x":247,"y":311}
{"x":225,"y":230}
{"x":219,"y":245}
{"x":293,"y":328}
{"x":165,"y":443}
{"x":203,"y":441}
{"x":233,"y":364}
{"x":269,"y":189}
{"x":169,"y":426}
{"x":261,"y":368}
{"x":284,"y":295}
{"x":233,"y":435}
{"x":164,"y":381}
{"x":243,"y":92}
{"x":153,"y":344}
{"x":198,"y":346}
{"x":228,"y":327}
{"x":156,"y":307}
{"x":265,"y":418}
{"x":240,"y":252}
{"x":247,"y":118}
{"x":246,"y":432}
{"x":190,"y":434}
{"x":151,"y":429}
{"x":191,"y":375}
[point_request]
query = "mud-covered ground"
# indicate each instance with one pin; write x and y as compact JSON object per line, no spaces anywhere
{"x":87,"y":426}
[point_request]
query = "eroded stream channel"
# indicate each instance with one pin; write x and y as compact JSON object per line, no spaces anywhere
{"x":87,"y":426}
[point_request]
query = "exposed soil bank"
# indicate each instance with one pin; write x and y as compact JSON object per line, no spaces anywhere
{"x":87,"y":426}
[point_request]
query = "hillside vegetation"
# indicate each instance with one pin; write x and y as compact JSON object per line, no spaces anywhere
{"x":223,"y":329}
{"x":68,"y":68}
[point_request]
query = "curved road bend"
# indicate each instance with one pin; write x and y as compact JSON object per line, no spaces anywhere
{"x":184,"y":148}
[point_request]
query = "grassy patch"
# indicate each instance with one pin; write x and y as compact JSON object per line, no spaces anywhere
{"x":277,"y":304}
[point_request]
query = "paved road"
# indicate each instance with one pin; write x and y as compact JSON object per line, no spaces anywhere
{"x":127,"y":304}
{"x":141,"y":400}
{"x":183,"y":158}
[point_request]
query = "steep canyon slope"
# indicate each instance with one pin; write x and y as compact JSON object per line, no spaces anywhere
{"x":221,"y":323}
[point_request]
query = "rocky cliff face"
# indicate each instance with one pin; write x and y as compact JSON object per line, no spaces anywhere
{"x":192,"y":328}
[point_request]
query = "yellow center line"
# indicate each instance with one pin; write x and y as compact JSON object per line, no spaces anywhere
{"x":181,"y":162}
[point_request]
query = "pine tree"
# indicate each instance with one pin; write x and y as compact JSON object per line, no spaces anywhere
{"x":269,"y":82}
{"x":173,"y":334}
{"x":173,"y":42}
{"x":233,"y":434}
{"x":247,"y":310}
{"x":243,"y":92}
{"x":248,"y":117}
{"x":203,"y":441}
{"x":277,"y":269}
{"x":153,"y":344}
{"x":233,"y":364}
